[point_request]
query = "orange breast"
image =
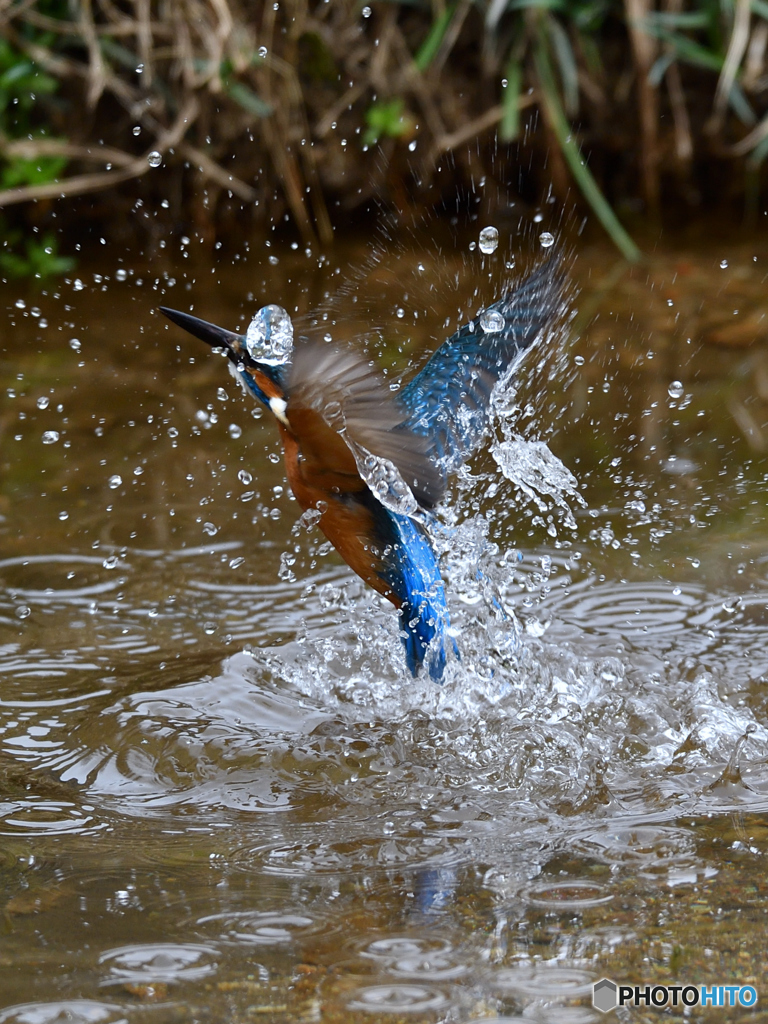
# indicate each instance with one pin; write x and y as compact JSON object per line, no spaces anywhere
{"x":347,"y":524}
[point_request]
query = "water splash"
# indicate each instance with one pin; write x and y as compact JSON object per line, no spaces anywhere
{"x":539,"y":474}
{"x":385,"y":481}
{"x":269,"y":337}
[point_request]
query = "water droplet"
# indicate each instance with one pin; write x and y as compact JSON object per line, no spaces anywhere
{"x":695,"y":562}
{"x":121,"y":274}
{"x":676,"y":389}
{"x":366,"y":12}
{"x":400,"y":312}
{"x":245,"y":477}
{"x":489,"y":240}
{"x":110,"y":562}
{"x":262,"y":52}
{"x":20,"y":304}
{"x":210,"y":530}
{"x":269,"y":337}
{"x":63,"y":516}
{"x":138,"y":471}
{"x":23,"y":611}
{"x":50,"y":436}
{"x":137,"y":129}
{"x":723,"y":264}
{"x":115,"y":481}
{"x":492,"y":321}
{"x":386,"y":482}
{"x":209,"y":628}
{"x":74,"y":344}
{"x":274,"y":260}
{"x":547,"y":239}
{"x":173,"y":432}
{"x":234,"y":430}
{"x":154,"y":159}
{"x":42,"y":403}
{"x":222,"y":395}
{"x":412,"y":146}
{"x":235,"y":563}
{"x":77,"y":285}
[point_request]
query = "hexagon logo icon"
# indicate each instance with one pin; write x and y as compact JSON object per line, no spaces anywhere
{"x":604,"y":995}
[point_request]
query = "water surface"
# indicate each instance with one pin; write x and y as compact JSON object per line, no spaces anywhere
{"x":225,"y":799}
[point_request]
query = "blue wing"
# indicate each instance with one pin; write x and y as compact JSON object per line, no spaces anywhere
{"x":410,"y":569}
{"x":448,"y":400}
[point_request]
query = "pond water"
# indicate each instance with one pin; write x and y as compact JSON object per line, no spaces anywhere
{"x":225,"y":799}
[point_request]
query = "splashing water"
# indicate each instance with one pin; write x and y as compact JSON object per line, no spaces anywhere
{"x":539,"y":474}
{"x":385,"y":481}
{"x":269,"y":337}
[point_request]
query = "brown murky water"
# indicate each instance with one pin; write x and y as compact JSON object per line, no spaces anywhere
{"x":223,"y":798}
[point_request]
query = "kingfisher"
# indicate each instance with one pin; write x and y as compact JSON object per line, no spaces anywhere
{"x":370,"y":464}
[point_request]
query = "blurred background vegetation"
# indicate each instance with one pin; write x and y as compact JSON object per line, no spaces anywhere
{"x":226,"y":118}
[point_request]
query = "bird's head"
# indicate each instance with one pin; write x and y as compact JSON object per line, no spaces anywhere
{"x":259,"y":358}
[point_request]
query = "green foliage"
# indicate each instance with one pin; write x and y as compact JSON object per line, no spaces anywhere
{"x":21,"y":83}
{"x":34,"y":257}
{"x":21,"y":171}
{"x":247,"y":98}
{"x":387,"y":118}
{"x":428,"y":49}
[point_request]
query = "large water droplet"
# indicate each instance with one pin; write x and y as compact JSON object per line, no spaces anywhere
{"x":676,"y":389}
{"x":547,"y":239}
{"x":50,"y":436}
{"x":154,"y":159}
{"x":42,"y":403}
{"x":489,"y":240}
{"x":492,"y":321}
{"x":115,"y":481}
{"x":269,"y":337}
{"x":386,"y":482}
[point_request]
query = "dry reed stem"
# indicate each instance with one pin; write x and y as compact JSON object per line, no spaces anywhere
{"x":210,"y":169}
{"x":737,"y":46}
{"x":644,"y":49}
{"x":84,"y":183}
{"x":96,"y":77}
{"x":448,"y":142}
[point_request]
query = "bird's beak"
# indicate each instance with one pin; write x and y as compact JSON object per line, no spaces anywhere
{"x":212,"y":335}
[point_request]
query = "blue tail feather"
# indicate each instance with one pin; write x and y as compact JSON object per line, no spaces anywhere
{"x":411,"y":570}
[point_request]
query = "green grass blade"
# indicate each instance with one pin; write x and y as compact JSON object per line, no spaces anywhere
{"x":428,"y":49}
{"x":510,"y":119}
{"x":570,"y":150}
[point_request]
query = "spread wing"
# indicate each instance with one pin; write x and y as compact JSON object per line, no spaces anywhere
{"x":338,"y":405}
{"x":449,"y":399}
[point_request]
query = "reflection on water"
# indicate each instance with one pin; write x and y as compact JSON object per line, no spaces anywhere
{"x":223,"y":796}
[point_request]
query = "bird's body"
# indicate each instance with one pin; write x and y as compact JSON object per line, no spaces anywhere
{"x":367,"y":459}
